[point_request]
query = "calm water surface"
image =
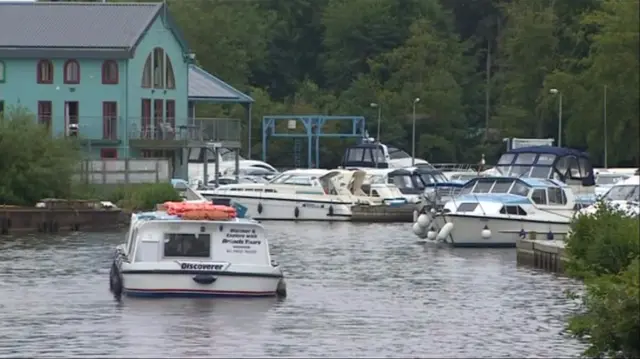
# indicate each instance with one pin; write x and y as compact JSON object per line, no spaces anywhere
{"x":354,"y":290}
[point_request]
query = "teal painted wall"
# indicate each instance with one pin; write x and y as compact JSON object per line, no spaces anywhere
{"x":21,"y":89}
{"x":158,"y":36}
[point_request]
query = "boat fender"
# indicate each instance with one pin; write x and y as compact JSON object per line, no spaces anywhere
{"x":331,"y":210}
{"x":431,"y":235}
{"x":424,"y":220}
{"x":115,"y":281}
{"x":445,"y":231}
{"x":259,"y":208}
{"x":486,"y":232}
{"x":296,"y":212}
{"x":281,"y":289}
{"x":550,"y":236}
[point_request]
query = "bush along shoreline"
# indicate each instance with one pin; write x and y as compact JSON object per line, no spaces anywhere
{"x":132,"y":197}
{"x":604,"y":251}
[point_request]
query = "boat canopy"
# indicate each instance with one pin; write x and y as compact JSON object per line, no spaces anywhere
{"x":551,"y":162}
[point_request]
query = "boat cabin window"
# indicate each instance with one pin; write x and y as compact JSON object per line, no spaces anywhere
{"x":539,"y":196}
{"x":585,"y":167}
{"x":432,"y":178}
{"x":190,"y":245}
{"x":131,"y":241}
{"x":403,"y":181}
{"x":519,"y":189}
{"x":506,"y":159}
{"x":374,"y":193}
{"x":299,"y":181}
{"x":623,"y":193}
{"x":355,"y":154}
{"x":482,"y":186}
{"x":556,"y":196}
{"x":396,"y":153}
{"x":515,"y":210}
{"x":526,"y":158}
{"x":467,"y":207}
{"x":562,"y":166}
{"x":546,"y":159}
{"x":501,"y":187}
{"x":540,"y":172}
{"x":574,"y":167}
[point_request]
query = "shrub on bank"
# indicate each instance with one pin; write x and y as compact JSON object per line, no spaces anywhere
{"x":34,"y":164}
{"x":604,"y":242}
{"x":142,"y":197}
{"x":603,"y":249}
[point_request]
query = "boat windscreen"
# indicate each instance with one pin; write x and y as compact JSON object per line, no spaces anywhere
{"x":623,"y":193}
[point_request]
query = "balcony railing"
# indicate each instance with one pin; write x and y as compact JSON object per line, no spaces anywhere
{"x":201,"y":129}
{"x":111,"y":128}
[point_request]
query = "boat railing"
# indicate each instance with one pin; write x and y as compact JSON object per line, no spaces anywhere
{"x":459,"y":167}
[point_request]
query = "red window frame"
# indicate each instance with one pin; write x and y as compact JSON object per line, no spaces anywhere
{"x":41,"y":75}
{"x":109,"y":78}
{"x":45,"y":109}
{"x":145,"y":120}
{"x":66,"y":72}
{"x":109,"y":120}
{"x":108,"y":153}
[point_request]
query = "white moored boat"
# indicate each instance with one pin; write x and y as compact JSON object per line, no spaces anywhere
{"x":624,"y":195}
{"x":166,"y":255}
{"x":497,"y":211}
{"x":306,"y":195}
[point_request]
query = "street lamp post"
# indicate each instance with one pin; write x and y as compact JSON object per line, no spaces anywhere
{"x":604,"y":119}
{"x":413,"y":133}
{"x":375,"y":105}
{"x":556,"y":92}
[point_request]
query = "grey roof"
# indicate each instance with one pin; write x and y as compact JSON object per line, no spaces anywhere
{"x":207,"y":88}
{"x":73,"y":25}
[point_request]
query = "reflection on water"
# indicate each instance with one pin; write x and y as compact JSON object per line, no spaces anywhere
{"x":354,"y":290}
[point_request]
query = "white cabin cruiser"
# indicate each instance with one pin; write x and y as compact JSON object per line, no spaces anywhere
{"x":624,"y":195}
{"x":168,"y":256}
{"x":605,"y":180}
{"x":305,"y":195}
{"x":496,"y":211}
{"x":412,"y":181}
{"x":226,"y":163}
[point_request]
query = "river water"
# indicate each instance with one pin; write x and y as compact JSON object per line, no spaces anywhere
{"x":354,"y":290}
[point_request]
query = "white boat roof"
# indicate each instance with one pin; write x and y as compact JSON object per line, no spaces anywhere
{"x":633,"y":180}
{"x":164,"y":216}
{"x":306,"y":172}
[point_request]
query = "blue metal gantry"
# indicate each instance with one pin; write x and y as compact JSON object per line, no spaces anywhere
{"x":313,"y":131}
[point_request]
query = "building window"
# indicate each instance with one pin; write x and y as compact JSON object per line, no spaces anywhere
{"x":170,"y":119}
{"x":108,"y":153}
{"x":2,"y":73}
{"x":110,"y":72}
{"x":171,"y":79}
{"x":71,"y":72}
{"x":146,"y":73}
{"x":158,"y":68}
{"x":158,"y":107}
{"x":110,"y":120}
{"x":44,"y":113}
{"x":145,"y":122}
{"x":45,"y":72}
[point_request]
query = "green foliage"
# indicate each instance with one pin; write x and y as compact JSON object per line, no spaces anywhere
{"x":142,"y":197}
{"x":34,"y":165}
{"x":602,"y":243}
{"x":604,"y":249}
{"x":610,"y":322}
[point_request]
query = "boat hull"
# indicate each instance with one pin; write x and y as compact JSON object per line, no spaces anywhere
{"x":285,"y":209}
{"x":467,"y":230}
{"x":136,"y":284}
